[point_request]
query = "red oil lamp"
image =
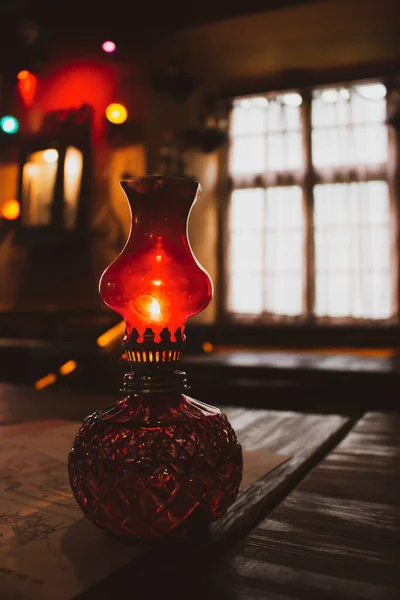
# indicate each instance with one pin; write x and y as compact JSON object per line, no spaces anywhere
{"x":156,"y":462}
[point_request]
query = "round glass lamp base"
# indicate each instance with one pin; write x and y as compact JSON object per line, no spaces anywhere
{"x":155,"y":465}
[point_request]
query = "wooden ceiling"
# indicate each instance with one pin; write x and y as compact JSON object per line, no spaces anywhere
{"x":123,"y":19}
{"x":43,"y":28}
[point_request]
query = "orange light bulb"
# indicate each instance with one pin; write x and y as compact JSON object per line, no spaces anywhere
{"x":10,"y":210}
{"x":116,"y":113}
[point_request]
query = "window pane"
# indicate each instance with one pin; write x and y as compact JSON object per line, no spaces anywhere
{"x":283,"y":251}
{"x":247,"y":209}
{"x":249,"y":116}
{"x":352,"y":250}
{"x":284,"y":151}
{"x":349,"y":126}
{"x":246,"y":252}
{"x":266,"y":135}
{"x":248,"y":155}
{"x":245,"y":294}
{"x":266,"y":251}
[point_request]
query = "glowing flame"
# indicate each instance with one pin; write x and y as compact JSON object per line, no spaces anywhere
{"x":155,"y":308}
{"x":148,"y":306}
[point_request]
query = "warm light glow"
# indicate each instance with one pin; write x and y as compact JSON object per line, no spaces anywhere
{"x":156,"y":283}
{"x":9,"y":124}
{"x":148,"y":306}
{"x":45,"y":381}
{"x":111,"y":335}
{"x":116,"y":113}
{"x":73,"y":167}
{"x":108,"y":46}
{"x":27,"y":86}
{"x":207,"y":347}
{"x":73,"y":162}
{"x":155,"y":308}
{"x":23,"y":75}
{"x":10,"y":210}
{"x":38,"y":181}
{"x":31,"y":170}
{"x":50,"y":155}
{"x":67,"y":367}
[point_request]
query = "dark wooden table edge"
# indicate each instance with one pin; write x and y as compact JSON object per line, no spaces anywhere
{"x":189,"y":560}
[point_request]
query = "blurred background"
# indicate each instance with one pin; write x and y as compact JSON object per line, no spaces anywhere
{"x":287,"y":112}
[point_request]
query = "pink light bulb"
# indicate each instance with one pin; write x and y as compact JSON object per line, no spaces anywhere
{"x":108,"y":46}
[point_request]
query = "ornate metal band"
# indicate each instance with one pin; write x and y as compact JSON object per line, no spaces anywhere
{"x":149,"y":355}
{"x":153,"y":364}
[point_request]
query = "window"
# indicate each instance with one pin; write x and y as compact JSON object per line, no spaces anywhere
{"x":73,"y":167}
{"x":39,"y":174}
{"x":38,"y":182}
{"x":309,"y":229}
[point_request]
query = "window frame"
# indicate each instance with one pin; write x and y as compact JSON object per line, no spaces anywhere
{"x":307,"y":181}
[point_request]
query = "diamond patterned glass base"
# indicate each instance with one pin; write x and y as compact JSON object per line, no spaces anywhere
{"x":155,"y":465}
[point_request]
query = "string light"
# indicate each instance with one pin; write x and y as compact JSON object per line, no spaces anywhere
{"x":109,"y":46}
{"x":9,"y":124}
{"x":10,"y":210}
{"x":116,"y":113}
{"x":207,"y":347}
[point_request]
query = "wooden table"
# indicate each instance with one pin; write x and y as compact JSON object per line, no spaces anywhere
{"x":312,"y":382}
{"x":309,"y":529}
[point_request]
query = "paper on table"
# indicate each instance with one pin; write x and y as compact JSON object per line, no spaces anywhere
{"x":48,"y":550}
{"x":257,"y":463}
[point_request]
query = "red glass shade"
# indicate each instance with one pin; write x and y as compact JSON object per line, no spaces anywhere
{"x":156,"y":281}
